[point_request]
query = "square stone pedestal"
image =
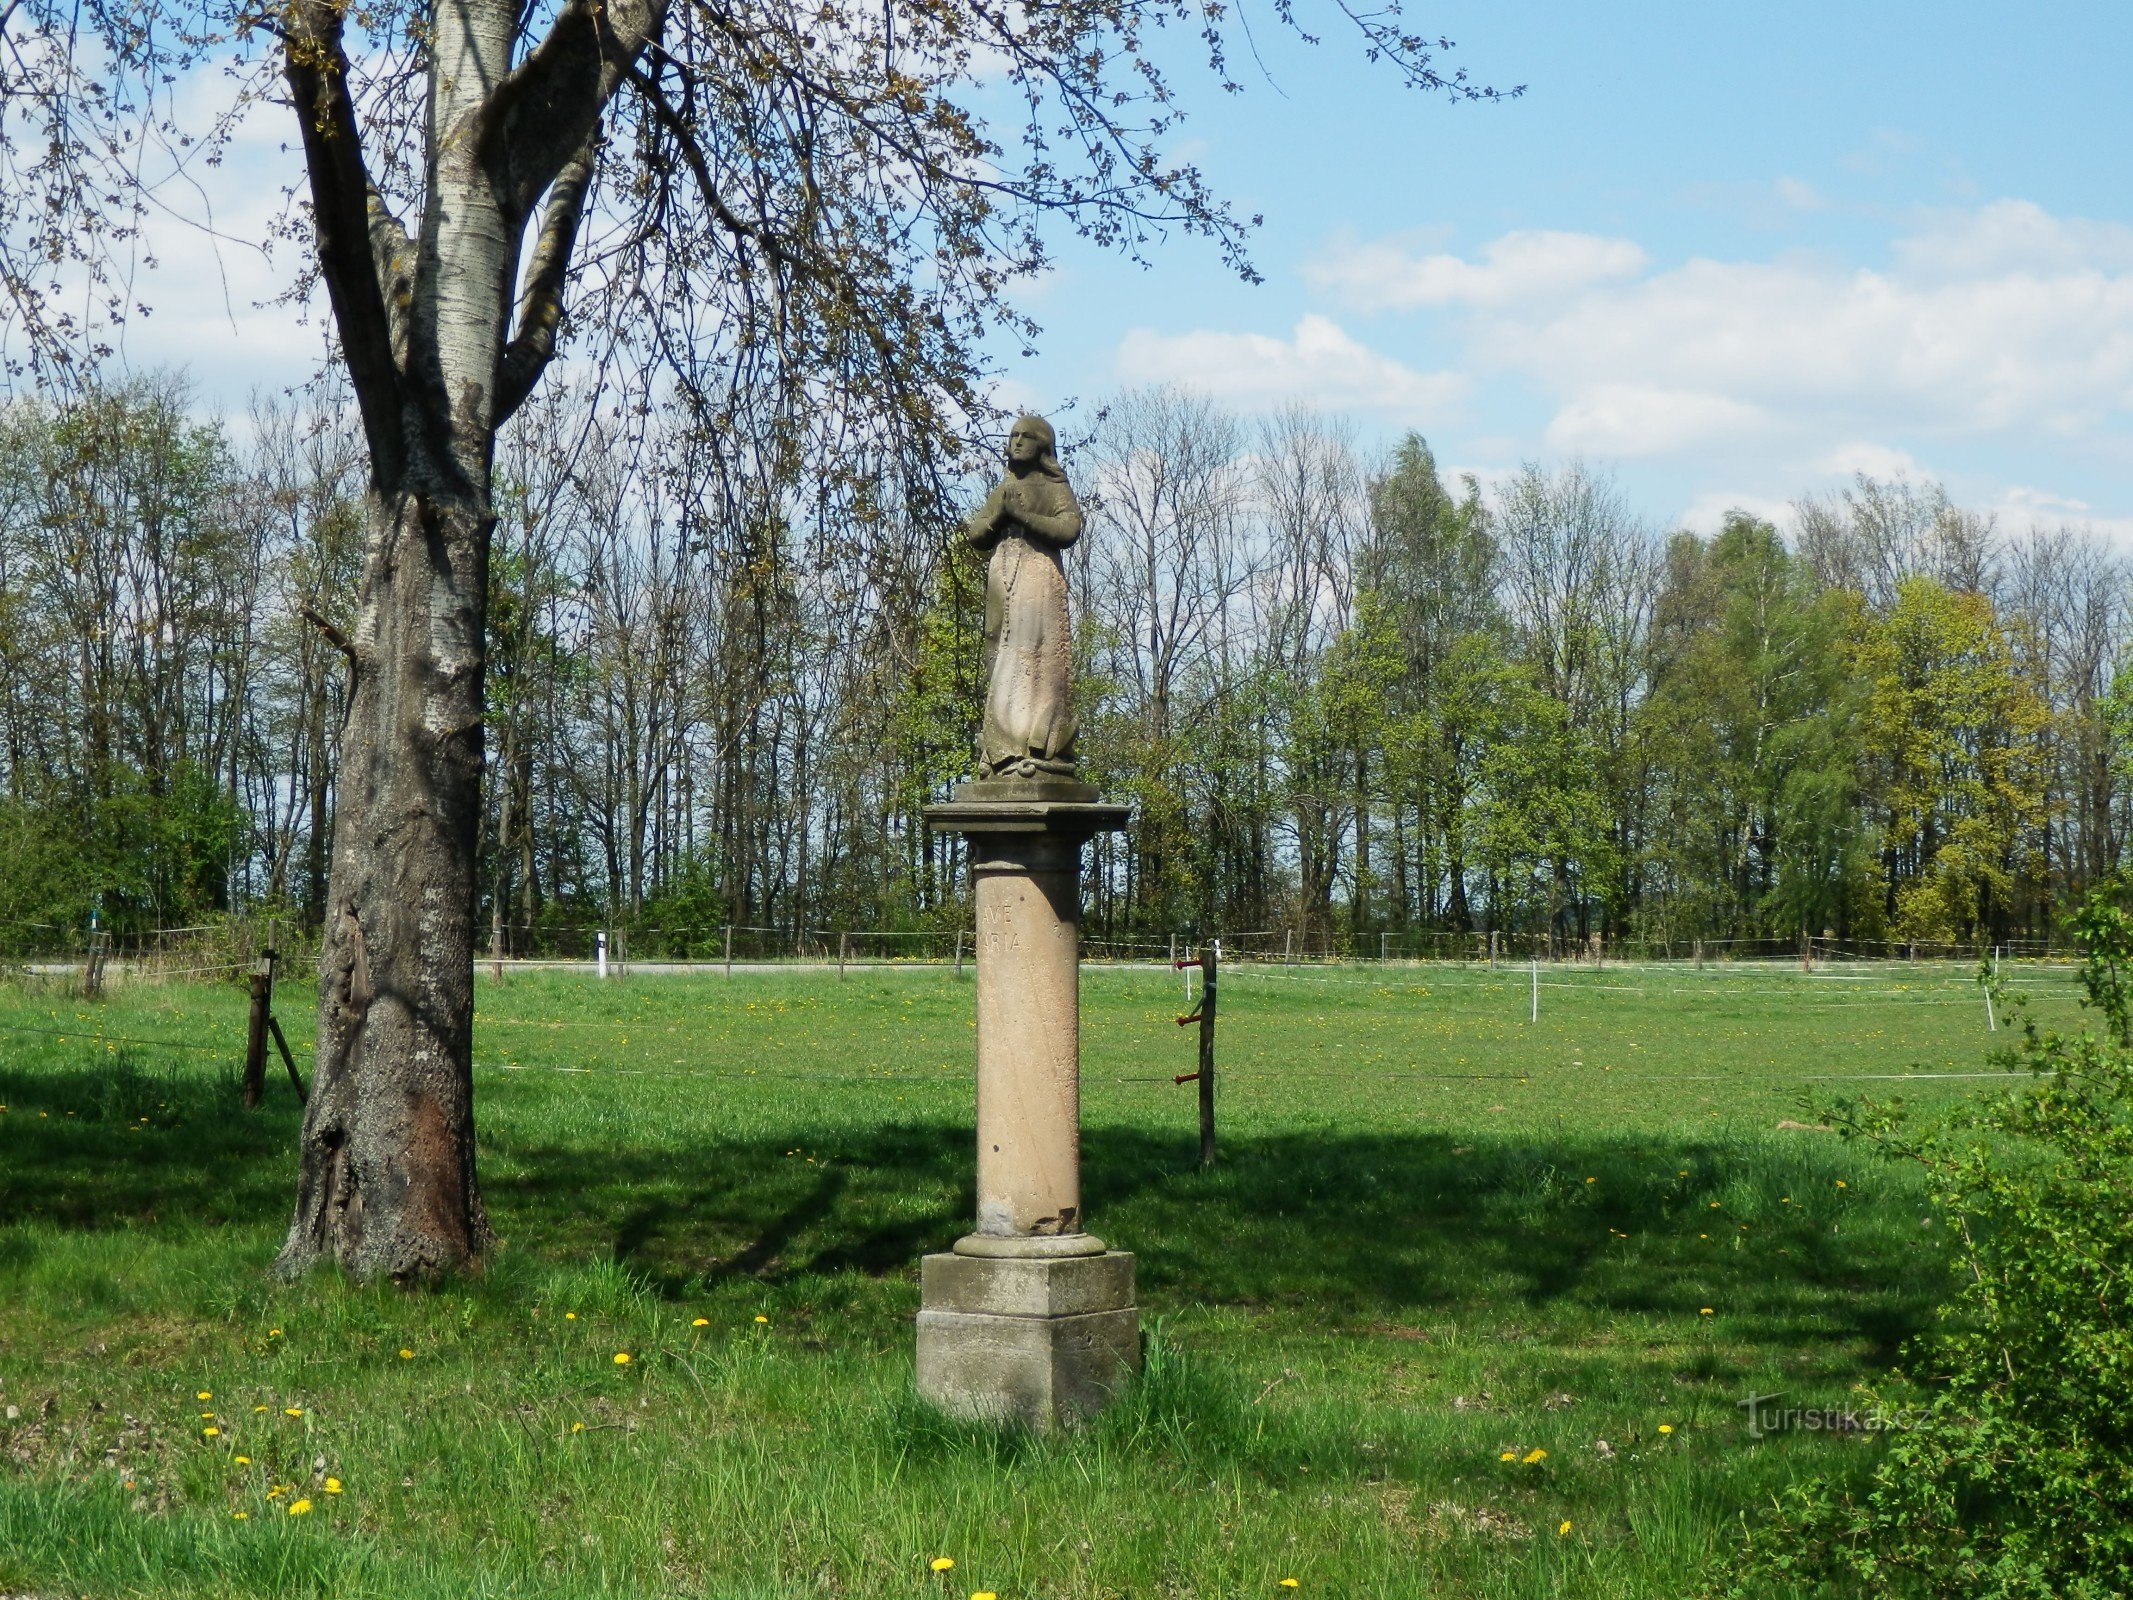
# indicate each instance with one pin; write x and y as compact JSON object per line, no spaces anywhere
{"x":1043,"y":1342}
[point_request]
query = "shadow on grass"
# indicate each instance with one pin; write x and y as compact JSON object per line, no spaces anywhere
{"x":1357,"y":1229}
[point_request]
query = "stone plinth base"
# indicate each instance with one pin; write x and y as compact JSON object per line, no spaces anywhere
{"x":1043,"y":1341}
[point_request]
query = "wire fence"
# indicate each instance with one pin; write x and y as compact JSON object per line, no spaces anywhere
{"x":229,"y":947}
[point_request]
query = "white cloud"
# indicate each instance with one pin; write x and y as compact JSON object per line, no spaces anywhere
{"x":1490,"y":479}
{"x":1706,"y":514}
{"x":1828,"y":349}
{"x":1801,"y":195}
{"x":1875,"y":460}
{"x":1627,"y":419}
{"x":2000,"y":320}
{"x":1532,"y":264}
{"x":1320,"y":363}
{"x":2022,"y":500}
{"x":2011,"y":236}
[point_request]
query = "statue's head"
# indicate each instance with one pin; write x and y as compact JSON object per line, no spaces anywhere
{"x":1032,"y":444}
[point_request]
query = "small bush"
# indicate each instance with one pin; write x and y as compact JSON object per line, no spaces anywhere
{"x":2014,"y":1478}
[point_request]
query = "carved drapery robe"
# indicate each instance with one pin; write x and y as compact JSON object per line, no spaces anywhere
{"x":1029,"y":727}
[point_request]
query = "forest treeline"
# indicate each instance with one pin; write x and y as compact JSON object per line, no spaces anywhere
{"x":1343,"y":695}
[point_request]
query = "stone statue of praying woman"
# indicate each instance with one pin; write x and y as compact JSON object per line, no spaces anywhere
{"x":1028,"y":519}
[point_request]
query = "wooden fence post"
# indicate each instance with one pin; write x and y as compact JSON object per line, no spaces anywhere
{"x":92,"y":983}
{"x":729,"y":949}
{"x":255,"y":1035}
{"x":958,"y":952}
{"x":844,"y":944}
{"x":1210,"y":968}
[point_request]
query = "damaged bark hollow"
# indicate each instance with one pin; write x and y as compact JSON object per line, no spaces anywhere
{"x":386,"y":1184}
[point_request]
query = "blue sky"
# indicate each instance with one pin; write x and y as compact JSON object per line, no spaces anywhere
{"x":1730,"y":252}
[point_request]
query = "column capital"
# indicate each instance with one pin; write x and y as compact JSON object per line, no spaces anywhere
{"x":1027,"y":807}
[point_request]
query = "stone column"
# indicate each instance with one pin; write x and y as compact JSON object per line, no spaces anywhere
{"x":1030,"y":1317}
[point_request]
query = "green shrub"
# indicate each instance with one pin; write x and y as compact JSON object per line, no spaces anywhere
{"x":2013,"y":1474}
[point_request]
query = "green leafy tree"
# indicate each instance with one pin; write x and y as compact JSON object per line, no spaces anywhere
{"x":1428,"y":570}
{"x":1753,"y":722}
{"x":1543,"y":834}
{"x":1955,"y":739}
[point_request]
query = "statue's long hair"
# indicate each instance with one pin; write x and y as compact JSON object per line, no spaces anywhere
{"x":1047,"y":463}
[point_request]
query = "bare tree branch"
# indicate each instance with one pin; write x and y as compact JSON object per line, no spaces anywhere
{"x":393,"y":259}
{"x":540,"y":310}
{"x":691,"y":150}
{"x":316,"y":66}
{"x":332,"y":635}
{"x":549,"y":105}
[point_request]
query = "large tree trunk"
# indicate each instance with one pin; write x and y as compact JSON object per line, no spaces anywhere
{"x":386,"y":1187}
{"x":386,"y":1182}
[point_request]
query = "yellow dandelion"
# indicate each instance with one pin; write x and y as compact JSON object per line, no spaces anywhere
{"x":1666,"y":1427}
{"x":1508,"y":1455}
{"x":701,"y":1322}
{"x":577,"y":1427}
{"x":273,"y":1333}
{"x":1288,"y":1583}
{"x":761,"y":1318}
{"x":333,"y":1485}
{"x":942,"y":1563}
{"x":207,"y":1416}
{"x":983,"y":1594}
{"x":1842,"y":1184}
{"x":274,"y":1493}
{"x":406,"y":1354}
{"x":258,"y":1410}
{"x":1592,"y":1180}
{"x":622,"y":1358}
{"x":570,"y":1316}
{"x":210,"y":1433}
{"x":242,"y":1461}
{"x":1533,"y":1457}
{"x":205,"y":1394}
{"x":240,"y":1516}
{"x":292,"y":1411}
{"x":1704,"y":1312}
{"x":299,"y":1508}
{"x":1562,"y":1528}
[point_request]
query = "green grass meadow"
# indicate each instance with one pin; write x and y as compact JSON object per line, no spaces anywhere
{"x":1446,"y":1253}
